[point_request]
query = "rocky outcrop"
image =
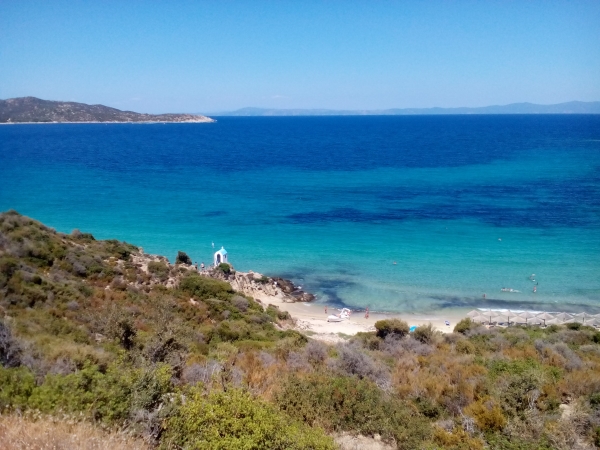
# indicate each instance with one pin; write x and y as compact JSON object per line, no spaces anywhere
{"x":296,"y":292}
{"x":250,"y":283}
{"x":261,"y":287}
{"x":32,"y":109}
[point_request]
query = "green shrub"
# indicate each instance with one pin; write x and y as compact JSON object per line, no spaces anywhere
{"x":205,"y":288}
{"x":573,"y":326}
{"x":225,"y":268}
{"x":350,"y":404}
{"x":86,"y":237}
{"x":16,"y":386}
{"x":182,"y":258}
{"x":235,"y":420}
{"x":464,"y":325}
{"x":160,"y":269}
{"x":368,"y":340}
{"x":263,"y":280}
{"x":395,"y":327}
{"x":465,"y":347}
{"x":424,"y":334}
{"x":102,"y":396}
{"x":120,"y":250}
{"x":275,"y":313}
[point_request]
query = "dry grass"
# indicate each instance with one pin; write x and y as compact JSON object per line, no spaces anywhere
{"x":46,"y":433}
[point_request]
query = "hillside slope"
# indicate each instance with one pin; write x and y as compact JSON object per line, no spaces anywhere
{"x":101,"y":331}
{"x":32,"y":109}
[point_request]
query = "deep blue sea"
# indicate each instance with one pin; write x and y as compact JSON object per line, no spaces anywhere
{"x":465,"y":205}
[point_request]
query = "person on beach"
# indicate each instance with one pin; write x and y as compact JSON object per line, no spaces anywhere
{"x":534,"y":289}
{"x":202,"y":266}
{"x":325,"y":309}
{"x":367,"y":313}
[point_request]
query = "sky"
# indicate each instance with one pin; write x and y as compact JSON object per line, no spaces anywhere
{"x":210,"y":56}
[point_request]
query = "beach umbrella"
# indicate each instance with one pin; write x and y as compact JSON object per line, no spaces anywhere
{"x":534,"y":321}
{"x":487,"y":314}
{"x":545,"y":316}
{"x":554,"y":321}
{"x":594,"y":322}
{"x":526,"y":315}
{"x":563,"y":316}
{"x":499,"y":318}
{"x":473,"y":314}
{"x":510,"y":315}
{"x":480,"y":318}
{"x":582,"y":317}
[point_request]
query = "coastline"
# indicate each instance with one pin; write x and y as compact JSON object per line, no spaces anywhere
{"x":311,"y":318}
{"x":113,"y":123}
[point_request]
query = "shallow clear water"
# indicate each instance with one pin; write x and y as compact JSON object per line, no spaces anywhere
{"x":465,"y":205}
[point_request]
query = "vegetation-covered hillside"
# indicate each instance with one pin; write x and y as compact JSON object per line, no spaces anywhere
{"x":97,"y":330}
{"x":32,"y":109}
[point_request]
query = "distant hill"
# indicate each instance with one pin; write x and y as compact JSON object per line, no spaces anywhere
{"x":32,"y":109}
{"x":514,"y":108}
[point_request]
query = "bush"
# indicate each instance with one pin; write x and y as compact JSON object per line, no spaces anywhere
{"x":241,"y":303}
{"x":367,"y":340}
{"x":424,"y":334}
{"x":354,"y":362}
{"x":465,"y":347}
{"x":262,"y":280}
{"x":183,"y":258}
{"x":102,"y":396}
{"x":225,"y":268}
{"x":274,"y":312}
{"x":233,"y":419}
{"x":87,"y":237}
{"x":487,"y":414}
{"x":120,"y":250}
{"x":464,"y":326}
{"x":349,"y":404}
{"x":395,"y":327}
{"x":205,"y":288}
{"x":160,"y":269}
{"x":16,"y":386}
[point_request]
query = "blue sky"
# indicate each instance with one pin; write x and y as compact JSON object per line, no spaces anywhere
{"x":181,"y":56}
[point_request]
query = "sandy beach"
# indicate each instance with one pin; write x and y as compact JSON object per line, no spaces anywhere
{"x":311,"y":317}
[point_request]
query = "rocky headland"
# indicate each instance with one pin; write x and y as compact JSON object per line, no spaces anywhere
{"x":35,"y":110}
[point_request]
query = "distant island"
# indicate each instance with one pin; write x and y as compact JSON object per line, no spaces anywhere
{"x":513,"y":108}
{"x":35,"y":110}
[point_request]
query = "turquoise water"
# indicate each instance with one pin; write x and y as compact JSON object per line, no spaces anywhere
{"x":463,"y":205}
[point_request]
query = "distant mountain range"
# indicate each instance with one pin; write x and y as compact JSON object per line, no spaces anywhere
{"x":32,"y":109}
{"x":513,"y":108}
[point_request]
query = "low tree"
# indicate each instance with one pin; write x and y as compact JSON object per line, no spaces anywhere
{"x":183,"y":258}
{"x":396,"y":327}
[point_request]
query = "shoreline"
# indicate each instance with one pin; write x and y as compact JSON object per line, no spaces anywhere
{"x":311,"y":318}
{"x":144,"y":122}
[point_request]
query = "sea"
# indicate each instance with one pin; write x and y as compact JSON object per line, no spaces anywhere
{"x":408,"y":214}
